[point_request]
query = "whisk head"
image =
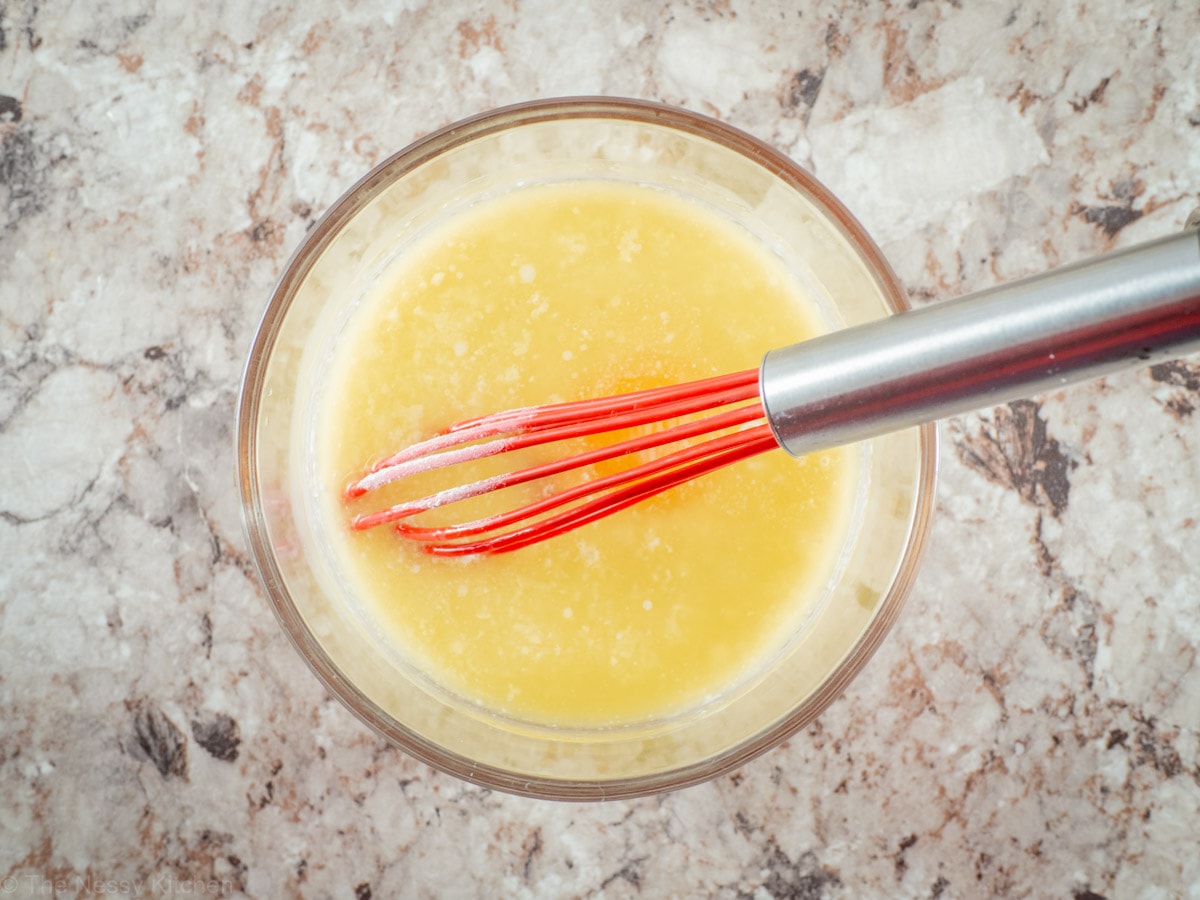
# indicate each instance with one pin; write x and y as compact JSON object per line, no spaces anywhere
{"x":715,"y":422}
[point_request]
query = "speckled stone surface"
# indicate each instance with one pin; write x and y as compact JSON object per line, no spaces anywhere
{"x":1031,"y":728}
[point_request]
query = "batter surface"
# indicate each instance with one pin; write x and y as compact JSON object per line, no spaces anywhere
{"x":559,"y":292}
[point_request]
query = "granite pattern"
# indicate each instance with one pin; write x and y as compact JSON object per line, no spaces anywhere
{"x":1030,"y":729}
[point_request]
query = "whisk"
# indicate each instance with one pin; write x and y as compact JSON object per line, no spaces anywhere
{"x":1129,"y":308}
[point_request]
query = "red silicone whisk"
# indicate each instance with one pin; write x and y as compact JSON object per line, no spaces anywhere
{"x":1130,"y":308}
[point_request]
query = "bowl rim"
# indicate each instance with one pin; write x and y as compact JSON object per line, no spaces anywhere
{"x":326,"y":229}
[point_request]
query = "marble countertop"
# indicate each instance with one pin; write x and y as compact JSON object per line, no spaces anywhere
{"x":1030,"y":728}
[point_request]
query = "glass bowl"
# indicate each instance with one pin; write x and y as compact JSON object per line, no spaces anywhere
{"x":536,"y":143}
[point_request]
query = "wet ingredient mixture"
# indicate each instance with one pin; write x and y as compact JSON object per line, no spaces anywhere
{"x":558,"y":292}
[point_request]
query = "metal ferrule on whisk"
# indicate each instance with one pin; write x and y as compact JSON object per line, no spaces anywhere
{"x":1127,"y":309}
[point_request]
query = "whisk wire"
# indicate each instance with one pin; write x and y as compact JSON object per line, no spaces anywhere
{"x":516,"y":429}
{"x":613,"y":493}
{"x":504,"y":432}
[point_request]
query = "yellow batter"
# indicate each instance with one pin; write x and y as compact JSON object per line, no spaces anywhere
{"x":559,"y":292}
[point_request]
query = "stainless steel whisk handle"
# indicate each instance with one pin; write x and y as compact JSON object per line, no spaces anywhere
{"x":1130,"y":308}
